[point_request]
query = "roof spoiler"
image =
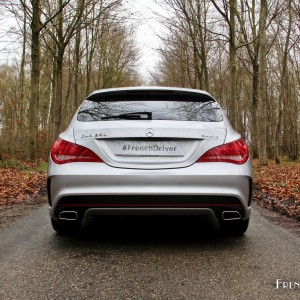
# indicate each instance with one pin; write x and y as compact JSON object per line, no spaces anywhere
{"x":149,"y":94}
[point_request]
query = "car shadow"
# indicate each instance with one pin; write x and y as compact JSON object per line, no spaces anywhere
{"x":150,"y":231}
{"x":145,"y":228}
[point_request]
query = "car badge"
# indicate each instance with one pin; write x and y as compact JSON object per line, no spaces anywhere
{"x":149,"y":132}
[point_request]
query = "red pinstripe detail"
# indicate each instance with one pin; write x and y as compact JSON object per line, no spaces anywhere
{"x":147,"y":205}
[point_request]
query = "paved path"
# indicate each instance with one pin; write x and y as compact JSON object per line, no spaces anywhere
{"x":146,"y":259}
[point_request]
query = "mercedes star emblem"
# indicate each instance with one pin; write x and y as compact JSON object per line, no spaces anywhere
{"x":149,"y":132}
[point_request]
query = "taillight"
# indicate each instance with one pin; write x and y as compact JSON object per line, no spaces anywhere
{"x":64,"y":152}
{"x":235,"y":152}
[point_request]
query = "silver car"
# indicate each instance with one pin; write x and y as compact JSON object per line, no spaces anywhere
{"x":150,"y":151}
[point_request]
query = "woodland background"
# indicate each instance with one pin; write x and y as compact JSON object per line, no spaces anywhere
{"x":246,"y":53}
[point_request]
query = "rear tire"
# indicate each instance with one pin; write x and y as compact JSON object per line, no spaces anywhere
{"x":66,"y":227}
{"x":237,"y":227}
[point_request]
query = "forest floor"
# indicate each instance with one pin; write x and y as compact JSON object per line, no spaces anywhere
{"x":276,"y":187}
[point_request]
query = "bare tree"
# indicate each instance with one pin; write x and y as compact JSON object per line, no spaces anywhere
{"x":283,"y":83}
{"x":33,"y":12}
{"x":228,"y":12}
{"x":262,"y":128}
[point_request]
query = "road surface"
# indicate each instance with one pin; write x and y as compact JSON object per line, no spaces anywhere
{"x":147,"y":259}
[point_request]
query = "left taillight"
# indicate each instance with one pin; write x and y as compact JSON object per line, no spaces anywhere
{"x":64,"y":152}
{"x":235,"y":152}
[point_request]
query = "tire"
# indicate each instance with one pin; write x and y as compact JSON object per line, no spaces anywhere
{"x":238,"y":227}
{"x":66,"y":227}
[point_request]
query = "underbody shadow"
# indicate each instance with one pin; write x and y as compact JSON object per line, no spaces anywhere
{"x":162,"y":231}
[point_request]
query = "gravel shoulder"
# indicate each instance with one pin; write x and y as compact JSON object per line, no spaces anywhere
{"x":9,"y":214}
{"x":288,"y":223}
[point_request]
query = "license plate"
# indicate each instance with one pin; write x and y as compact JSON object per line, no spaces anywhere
{"x":149,"y":148}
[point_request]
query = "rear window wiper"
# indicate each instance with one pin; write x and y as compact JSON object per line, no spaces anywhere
{"x":131,"y":116}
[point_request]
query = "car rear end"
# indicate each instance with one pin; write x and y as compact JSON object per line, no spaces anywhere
{"x":150,"y":151}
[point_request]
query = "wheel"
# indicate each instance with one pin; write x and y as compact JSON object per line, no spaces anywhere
{"x":236,"y":227}
{"x":65,"y":227}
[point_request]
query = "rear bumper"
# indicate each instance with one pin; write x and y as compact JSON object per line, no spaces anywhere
{"x":206,"y":188}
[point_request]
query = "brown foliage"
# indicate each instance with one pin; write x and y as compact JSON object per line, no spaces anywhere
{"x":18,"y":186}
{"x":278,"y":187}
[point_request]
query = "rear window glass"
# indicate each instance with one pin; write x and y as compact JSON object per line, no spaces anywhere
{"x":207,"y":111}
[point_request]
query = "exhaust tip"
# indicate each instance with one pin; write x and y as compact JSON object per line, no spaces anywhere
{"x":68,"y":215}
{"x":231,"y":215}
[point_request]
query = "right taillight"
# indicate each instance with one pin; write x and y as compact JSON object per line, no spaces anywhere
{"x":64,"y":152}
{"x":235,"y":152}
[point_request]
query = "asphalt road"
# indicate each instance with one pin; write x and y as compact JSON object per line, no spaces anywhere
{"x":147,"y":259}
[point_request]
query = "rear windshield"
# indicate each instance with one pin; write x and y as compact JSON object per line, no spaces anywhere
{"x":207,"y":111}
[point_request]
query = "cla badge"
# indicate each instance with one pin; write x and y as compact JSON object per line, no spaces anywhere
{"x":149,"y":132}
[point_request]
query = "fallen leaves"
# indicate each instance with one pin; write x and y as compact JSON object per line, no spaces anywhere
{"x":278,"y":187}
{"x":18,"y":185}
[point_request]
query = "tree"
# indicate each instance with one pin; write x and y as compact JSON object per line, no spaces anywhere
{"x":35,"y":78}
{"x":263,"y":97}
{"x":251,"y":43}
{"x":229,"y":13}
{"x":34,"y":14}
{"x":284,"y":84}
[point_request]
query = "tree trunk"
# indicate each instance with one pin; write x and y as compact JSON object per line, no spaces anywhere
{"x":283,"y":87}
{"x":22,"y":82}
{"x":58,"y":95}
{"x":35,"y":80}
{"x":76,"y":66}
{"x":59,"y":71}
{"x":202,"y":33}
{"x":53,"y":99}
{"x":255,"y":83}
{"x":233,"y":64}
{"x":262,"y":128}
